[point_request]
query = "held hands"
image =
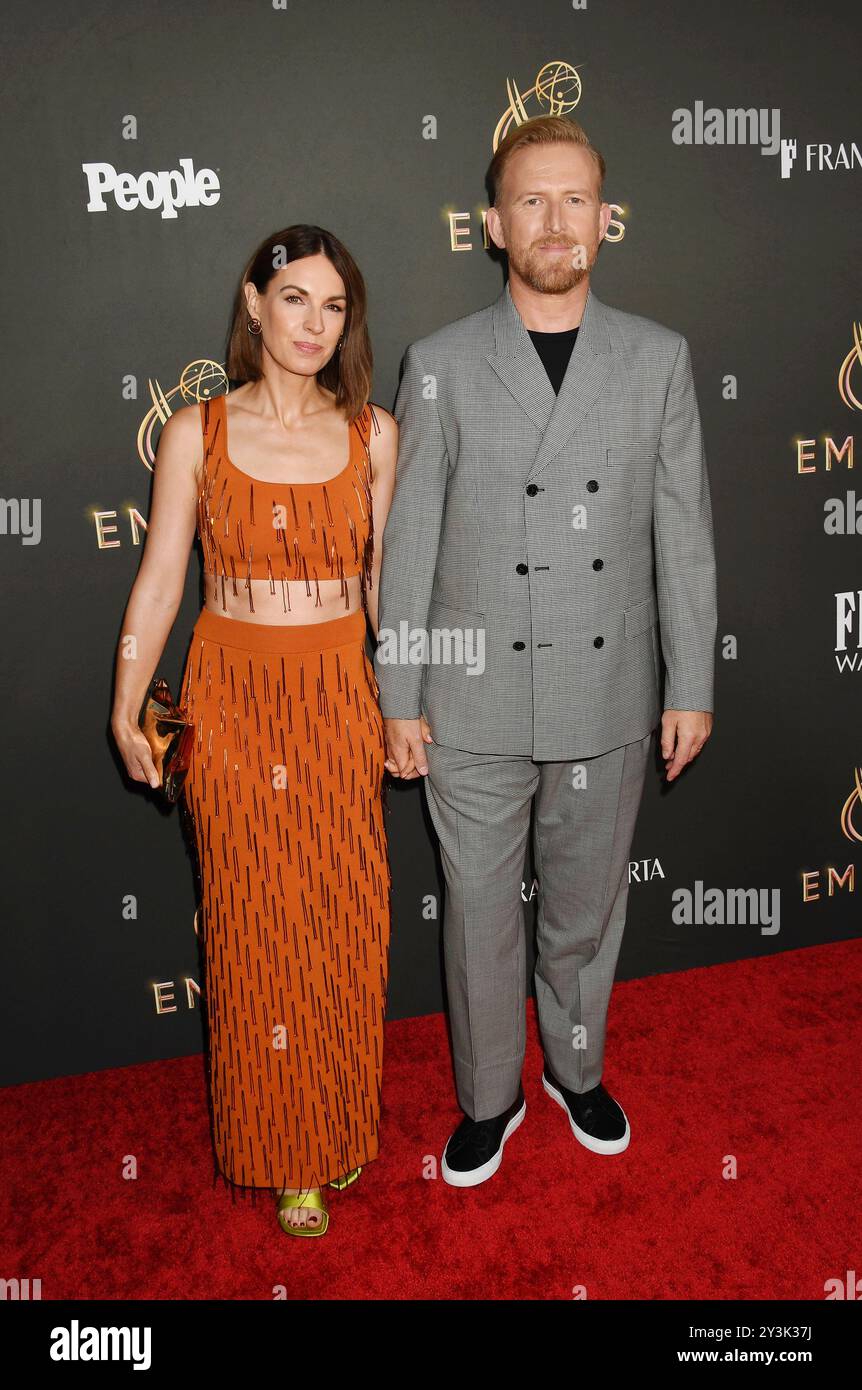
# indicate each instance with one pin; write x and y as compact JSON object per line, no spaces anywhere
{"x":688,"y":729}
{"x":405,"y":746}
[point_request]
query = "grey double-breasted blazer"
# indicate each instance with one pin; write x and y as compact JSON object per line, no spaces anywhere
{"x":556,"y":545}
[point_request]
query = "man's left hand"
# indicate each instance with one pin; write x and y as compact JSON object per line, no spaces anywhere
{"x":683,"y":734}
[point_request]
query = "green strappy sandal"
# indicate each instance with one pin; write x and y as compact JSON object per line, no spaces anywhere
{"x":289,"y":1200}
{"x":341,"y":1183}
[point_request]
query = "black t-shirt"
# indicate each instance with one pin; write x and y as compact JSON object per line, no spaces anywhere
{"x":555,"y":349}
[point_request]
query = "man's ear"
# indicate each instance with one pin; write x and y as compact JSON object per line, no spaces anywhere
{"x":495,"y":228}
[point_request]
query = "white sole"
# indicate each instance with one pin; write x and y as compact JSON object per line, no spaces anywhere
{"x":596,"y":1146}
{"x":487,"y":1170}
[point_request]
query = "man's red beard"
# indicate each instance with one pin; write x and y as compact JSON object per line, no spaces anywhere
{"x":554,"y":277}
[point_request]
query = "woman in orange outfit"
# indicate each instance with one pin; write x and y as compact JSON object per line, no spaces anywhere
{"x":288,"y":480}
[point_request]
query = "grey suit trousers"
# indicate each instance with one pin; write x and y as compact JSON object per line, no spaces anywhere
{"x":585,"y":813}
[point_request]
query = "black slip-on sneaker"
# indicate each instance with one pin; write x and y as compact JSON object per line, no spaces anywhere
{"x":597,"y":1121}
{"x":475,"y":1151}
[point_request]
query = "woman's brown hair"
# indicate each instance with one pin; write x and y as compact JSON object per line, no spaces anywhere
{"x":348,"y":371}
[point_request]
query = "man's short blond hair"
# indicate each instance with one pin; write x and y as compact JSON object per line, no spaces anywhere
{"x":542,"y":130}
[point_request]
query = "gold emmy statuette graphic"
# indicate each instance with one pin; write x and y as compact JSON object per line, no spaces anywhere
{"x":557,"y":86}
{"x":853,"y":358}
{"x":854,"y":799}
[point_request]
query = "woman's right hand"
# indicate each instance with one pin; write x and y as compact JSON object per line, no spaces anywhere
{"x":135,"y":752}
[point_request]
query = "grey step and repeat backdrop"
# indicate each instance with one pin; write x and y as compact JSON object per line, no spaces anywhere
{"x":730,"y":133}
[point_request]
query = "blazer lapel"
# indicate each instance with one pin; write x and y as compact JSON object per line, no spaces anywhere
{"x":519,"y":366}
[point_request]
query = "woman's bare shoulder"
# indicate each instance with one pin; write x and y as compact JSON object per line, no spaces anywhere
{"x":181,"y":440}
{"x":183,"y":422}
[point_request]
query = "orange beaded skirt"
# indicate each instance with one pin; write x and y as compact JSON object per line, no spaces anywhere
{"x":284,"y":801}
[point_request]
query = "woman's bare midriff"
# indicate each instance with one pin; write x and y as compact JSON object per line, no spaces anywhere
{"x":290,"y":604}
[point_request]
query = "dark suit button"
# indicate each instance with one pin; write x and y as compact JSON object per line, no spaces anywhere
{"x":519,"y":646}
{"x":532,"y":489}
{"x":521,"y":569}
{"x":598,"y":641}
{"x":598,"y":564}
{"x":592,"y":485}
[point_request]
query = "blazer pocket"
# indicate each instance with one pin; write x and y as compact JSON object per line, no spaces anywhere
{"x":633,"y":451}
{"x":454,"y":617}
{"x":640,"y":617}
{"x":446,"y":674}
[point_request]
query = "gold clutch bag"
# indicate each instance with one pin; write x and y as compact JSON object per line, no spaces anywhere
{"x":169,"y":734}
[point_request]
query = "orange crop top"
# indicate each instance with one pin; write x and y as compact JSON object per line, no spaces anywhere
{"x":253,"y":529}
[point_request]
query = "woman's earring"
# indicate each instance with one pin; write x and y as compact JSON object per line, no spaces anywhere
{"x":254,"y":326}
{"x":338,"y":345}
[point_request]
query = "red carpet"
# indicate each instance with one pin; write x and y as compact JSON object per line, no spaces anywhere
{"x":759,"y":1060}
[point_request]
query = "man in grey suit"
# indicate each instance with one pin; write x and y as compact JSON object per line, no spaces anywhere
{"x":551,"y":526}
